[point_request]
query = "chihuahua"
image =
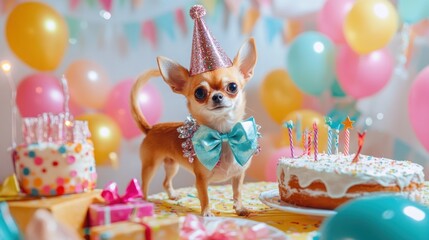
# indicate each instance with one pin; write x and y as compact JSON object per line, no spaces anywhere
{"x":215,"y":99}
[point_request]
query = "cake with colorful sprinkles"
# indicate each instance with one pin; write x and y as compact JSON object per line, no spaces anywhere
{"x":56,"y":157}
{"x":330,"y":180}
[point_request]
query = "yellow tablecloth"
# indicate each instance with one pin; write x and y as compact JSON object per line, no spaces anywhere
{"x":296,"y":226}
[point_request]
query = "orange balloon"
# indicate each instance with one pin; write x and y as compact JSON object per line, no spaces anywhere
{"x":280,"y":95}
{"x":106,"y":136}
{"x":89,"y":84}
{"x":37,"y":34}
{"x":308,"y":117}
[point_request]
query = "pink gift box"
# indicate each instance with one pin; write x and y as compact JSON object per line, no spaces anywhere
{"x":102,"y":214}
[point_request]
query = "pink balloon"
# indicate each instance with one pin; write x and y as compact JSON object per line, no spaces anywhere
{"x":363,"y":75}
{"x":271,"y":167}
{"x":418,"y":108}
{"x":118,"y":106}
{"x":39,"y":93}
{"x":331,"y":18}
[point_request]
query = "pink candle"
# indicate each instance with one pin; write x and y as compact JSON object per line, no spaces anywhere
{"x":348,"y":124}
{"x":309,"y":144}
{"x":290,"y":127}
{"x":315,"y":141}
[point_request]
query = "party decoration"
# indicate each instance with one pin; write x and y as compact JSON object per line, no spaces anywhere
{"x":89,"y":83}
{"x":9,"y":187}
{"x":336,"y":90}
{"x":289,"y":126}
{"x":117,"y":106}
{"x":360,"y":145}
{"x":39,"y":93}
{"x":249,"y":20}
{"x":272,"y":160}
{"x":111,"y":195}
{"x":310,"y":62}
{"x":6,"y":67}
{"x":348,"y":124}
{"x":418,"y":109}
{"x":308,"y":142}
{"x":337,"y":140}
{"x":413,"y":11}
{"x":37,"y":34}
{"x":331,"y":18}
{"x":370,"y":25}
{"x":106,"y":136}
{"x":279,"y":95}
{"x":308,"y":117}
{"x":305,"y":142}
{"x":341,"y":111}
{"x":363,"y":218}
{"x":363,"y":76}
{"x":8,"y":227}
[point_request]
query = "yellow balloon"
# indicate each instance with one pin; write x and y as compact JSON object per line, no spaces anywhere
{"x":280,"y":95}
{"x":37,"y":34}
{"x":106,"y":136}
{"x":308,"y":117}
{"x":370,"y":25}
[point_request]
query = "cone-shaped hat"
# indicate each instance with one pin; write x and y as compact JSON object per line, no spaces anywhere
{"x":206,"y":54}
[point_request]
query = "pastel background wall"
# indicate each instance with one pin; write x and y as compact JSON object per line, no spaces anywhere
{"x":119,"y":46}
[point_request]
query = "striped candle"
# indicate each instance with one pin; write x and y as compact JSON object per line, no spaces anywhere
{"x":346,"y":141}
{"x":289,"y":125}
{"x":309,"y":143}
{"x":329,"y":140}
{"x":315,"y":142}
{"x":304,"y":141}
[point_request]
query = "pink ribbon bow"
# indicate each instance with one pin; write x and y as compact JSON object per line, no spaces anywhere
{"x":194,"y":229}
{"x":111,"y":195}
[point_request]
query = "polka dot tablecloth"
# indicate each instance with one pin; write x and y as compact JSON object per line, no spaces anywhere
{"x":294,"y":225}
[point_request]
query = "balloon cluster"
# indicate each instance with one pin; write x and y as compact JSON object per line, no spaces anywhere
{"x":38,"y":36}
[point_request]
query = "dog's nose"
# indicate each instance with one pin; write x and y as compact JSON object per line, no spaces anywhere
{"x":217,"y":98}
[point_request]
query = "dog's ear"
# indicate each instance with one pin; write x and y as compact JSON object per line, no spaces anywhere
{"x":173,"y":74}
{"x":246,"y":58}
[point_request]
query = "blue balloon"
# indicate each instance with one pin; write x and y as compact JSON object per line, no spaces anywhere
{"x":413,"y":11}
{"x":310,"y":62}
{"x":8,"y":227}
{"x":378,"y":217}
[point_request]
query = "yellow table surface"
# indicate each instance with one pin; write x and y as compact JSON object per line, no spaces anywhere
{"x":294,"y":225}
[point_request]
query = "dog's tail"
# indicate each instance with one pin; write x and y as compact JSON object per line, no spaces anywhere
{"x":135,"y":106}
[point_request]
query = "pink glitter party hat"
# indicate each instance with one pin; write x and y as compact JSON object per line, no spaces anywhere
{"x":207,"y":55}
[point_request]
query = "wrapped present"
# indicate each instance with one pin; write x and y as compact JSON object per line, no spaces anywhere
{"x":118,"y":231}
{"x":147,"y":228}
{"x":71,"y":210}
{"x":119,"y":208}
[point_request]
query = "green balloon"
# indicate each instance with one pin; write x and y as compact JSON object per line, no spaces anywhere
{"x":413,"y":11}
{"x":310,"y":62}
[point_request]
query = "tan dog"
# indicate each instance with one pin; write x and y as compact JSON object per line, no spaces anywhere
{"x":215,"y":99}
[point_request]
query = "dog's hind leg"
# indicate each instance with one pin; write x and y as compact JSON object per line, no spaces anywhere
{"x":149,"y":166}
{"x":171,"y":167}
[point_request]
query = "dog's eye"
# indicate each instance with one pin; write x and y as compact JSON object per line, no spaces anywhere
{"x":200,"y":93}
{"x":232,"y":88}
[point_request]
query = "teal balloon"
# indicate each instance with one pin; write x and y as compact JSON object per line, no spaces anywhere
{"x":378,"y":217}
{"x":340,"y":112}
{"x":336,"y":90}
{"x":413,"y":11}
{"x":310,"y":62}
{"x":8,"y":228}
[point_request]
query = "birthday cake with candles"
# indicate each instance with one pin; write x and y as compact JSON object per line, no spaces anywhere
{"x":56,"y":157}
{"x":325,"y":181}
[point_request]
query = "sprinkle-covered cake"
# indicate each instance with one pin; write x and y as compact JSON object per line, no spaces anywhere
{"x":332,"y":180}
{"x":56,"y":157}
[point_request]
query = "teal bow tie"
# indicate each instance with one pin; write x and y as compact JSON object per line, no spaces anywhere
{"x":243,"y":141}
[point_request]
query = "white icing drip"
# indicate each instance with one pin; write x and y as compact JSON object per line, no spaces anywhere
{"x":412,"y":195}
{"x":338,"y":173}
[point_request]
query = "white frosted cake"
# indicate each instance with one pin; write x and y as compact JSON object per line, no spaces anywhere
{"x":334,"y":179}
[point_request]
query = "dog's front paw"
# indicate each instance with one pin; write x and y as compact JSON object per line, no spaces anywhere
{"x":207,"y":213}
{"x":242,"y":212}
{"x":174,"y":196}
